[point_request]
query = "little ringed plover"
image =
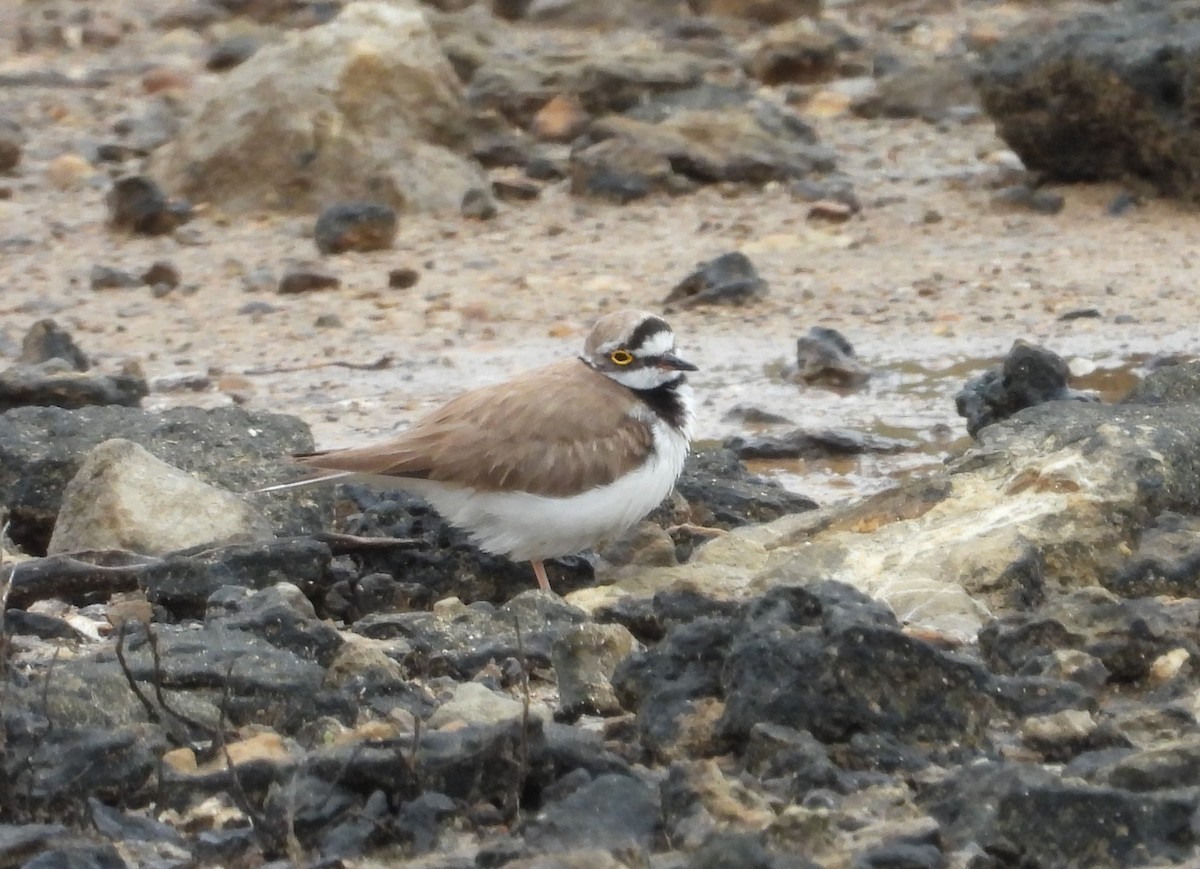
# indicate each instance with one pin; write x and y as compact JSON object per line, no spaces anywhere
{"x":553,"y":461}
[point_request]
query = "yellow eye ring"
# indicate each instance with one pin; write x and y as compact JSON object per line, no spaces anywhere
{"x":620,"y":357}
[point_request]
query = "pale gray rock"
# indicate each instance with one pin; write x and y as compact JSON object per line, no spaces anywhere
{"x":366,"y":106}
{"x":123,"y":497}
{"x":474,"y":703}
{"x":584,"y":659}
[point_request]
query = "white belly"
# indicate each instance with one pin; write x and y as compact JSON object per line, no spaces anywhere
{"x":527,"y":527}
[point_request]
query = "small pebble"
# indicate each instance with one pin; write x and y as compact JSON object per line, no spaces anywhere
{"x":259,"y":280}
{"x":478,"y":204}
{"x":306,"y":279}
{"x":162,"y":272}
{"x":12,"y":141}
{"x":328,"y":321}
{"x":830,"y":211}
{"x":1080,"y":314}
{"x":163,"y":78}
{"x":231,"y":52}
{"x":108,"y":278}
{"x":257,"y":309}
{"x":543,"y":169}
{"x":68,"y":171}
{"x":137,"y":204}
{"x":1122,"y":203}
{"x":1021,"y":197}
{"x":355,"y":226}
{"x":561,"y":119}
{"x":403,"y":278}
{"x":512,"y":190}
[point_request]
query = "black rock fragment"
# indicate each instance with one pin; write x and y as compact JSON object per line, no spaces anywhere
{"x":1029,"y":375}
{"x":803,"y":444}
{"x":723,"y":494}
{"x":729,"y":279}
{"x":825,"y":356}
{"x":355,"y":226}
{"x":138,"y":205}
{"x":46,"y":340}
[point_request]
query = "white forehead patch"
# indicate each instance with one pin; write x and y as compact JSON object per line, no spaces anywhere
{"x":657,"y":344}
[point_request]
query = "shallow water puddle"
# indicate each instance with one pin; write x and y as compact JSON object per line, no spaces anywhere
{"x":910,"y":401}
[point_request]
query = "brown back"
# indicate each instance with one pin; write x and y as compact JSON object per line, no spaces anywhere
{"x":558,"y":430}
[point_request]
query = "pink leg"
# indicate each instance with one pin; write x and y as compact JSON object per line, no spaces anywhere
{"x":539,"y":570}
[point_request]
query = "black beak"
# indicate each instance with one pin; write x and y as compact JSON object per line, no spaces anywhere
{"x":672,"y":362}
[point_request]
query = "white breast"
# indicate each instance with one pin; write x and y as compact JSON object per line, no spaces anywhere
{"x":524,"y":526}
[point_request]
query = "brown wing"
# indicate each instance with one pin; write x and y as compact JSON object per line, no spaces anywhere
{"x":555,"y":431}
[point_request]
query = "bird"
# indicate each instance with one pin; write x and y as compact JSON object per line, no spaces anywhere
{"x":552,"y":461}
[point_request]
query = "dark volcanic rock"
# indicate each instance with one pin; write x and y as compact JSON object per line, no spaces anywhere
{"x":1170,"y":384}
{"x":161,"y":273}
{"x":518,"y":85}
{"x":823,"y":658}
{"x":478,"y":204}
{"x":744,"y":850}
{"x":281,"y":615}
{"x":1127,"y":636}
{"x":355,"y":226}
{"x":729,"y":279}
{"x":138,"y":205}
{"x":762,"y":11}
{"x":480,"y":763}
{"x":1166,"y":562}
{"x":230,"y":52}
{"x":801,"y":444}
{"x":665,"y":683}
{"x":829,"y":660}
{"x":304,"y":278}
{"x":694,"y":137}
{"x":58,"y":771}
{"x":794,"y":52}
{"x":12,"y":141}
{"x":721,"y":493}
{"x":46,"y":340}
{"x":620,"y":171}
{"x":55,"y":384}
{"x":41,"y":448}
{"x":777,"y":752}
{"x":824,"y":356}
{"x":19,"y":841}
{"x":103,"y":277}
{"x":618,"y":813}
{"x":1105,"y":95}
{"x":938,"y":92}
{"x":1033,"y":695}
{"x":462,"y":645}
{"x":649,"y":618}
{"x":1029,"y":375}
{"x":255,"y":679}
{"x":183,"y":583}
{"x":1027,"y":816}
{"x":1025,"y":197}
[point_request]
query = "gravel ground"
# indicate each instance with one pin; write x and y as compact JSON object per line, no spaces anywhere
{"x":930,"y":283}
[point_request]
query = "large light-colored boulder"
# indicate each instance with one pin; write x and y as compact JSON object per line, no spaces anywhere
{"x":123,"y":497}
{"x":1059,"y":496}
{"x":364,"y":107}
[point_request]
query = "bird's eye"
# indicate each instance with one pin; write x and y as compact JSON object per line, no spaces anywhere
{"x":621,"y":357}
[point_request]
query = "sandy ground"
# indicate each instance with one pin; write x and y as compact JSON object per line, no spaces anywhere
{"x":926,"y":304}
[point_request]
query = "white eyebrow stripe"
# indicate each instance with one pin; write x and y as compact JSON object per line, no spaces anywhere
{"x":656,"y":345}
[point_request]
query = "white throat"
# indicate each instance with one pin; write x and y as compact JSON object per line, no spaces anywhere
{"x":643,"y":378}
